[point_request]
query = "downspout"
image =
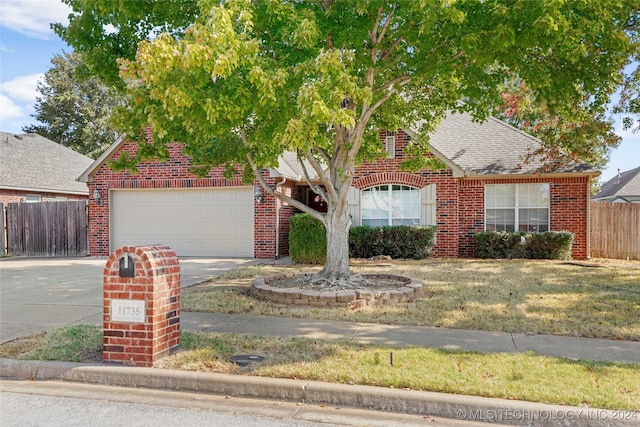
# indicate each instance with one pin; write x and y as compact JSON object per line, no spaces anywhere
{"x":278,"y":202}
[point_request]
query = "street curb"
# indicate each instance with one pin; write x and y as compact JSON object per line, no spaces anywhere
{"x":452,"y":406}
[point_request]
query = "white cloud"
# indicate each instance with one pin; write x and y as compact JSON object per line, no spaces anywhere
{"x":22,"y":88}
{"x":17,"y":98}
{"x":33,"y":17}
{"x":8,"y":109}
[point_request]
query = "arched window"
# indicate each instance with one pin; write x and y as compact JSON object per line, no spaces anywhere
{"x":390,"y":205}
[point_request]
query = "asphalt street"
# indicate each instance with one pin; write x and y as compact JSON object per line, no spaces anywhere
{"x":65,"y":404}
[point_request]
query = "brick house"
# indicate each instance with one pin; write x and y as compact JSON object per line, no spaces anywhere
{"x":486,"y":186}
{"x":36,"y":169}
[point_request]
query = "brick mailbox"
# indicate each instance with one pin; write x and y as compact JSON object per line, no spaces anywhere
{"x":141,"y":305}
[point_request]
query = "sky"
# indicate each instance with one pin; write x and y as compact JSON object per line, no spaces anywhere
{"x":27,"y":45}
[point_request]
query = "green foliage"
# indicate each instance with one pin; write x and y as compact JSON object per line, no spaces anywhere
{"x":546,"y":245}
{"x":588,"y":136}
{"x":74,"y":109}
{"x":308,"y":243}
{"x":398,"y":242}
{"x":307,"y":240}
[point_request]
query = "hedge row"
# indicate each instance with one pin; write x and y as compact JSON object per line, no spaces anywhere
{"x":546,"y":245}
{"x":398,"y":242}
{"x":308,"y":241}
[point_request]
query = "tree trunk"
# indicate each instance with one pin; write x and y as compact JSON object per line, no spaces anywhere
{"x":337,"y":264}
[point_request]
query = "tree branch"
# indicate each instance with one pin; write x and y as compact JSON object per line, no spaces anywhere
{"x":316,"y":188}
{"x":395,"y":44}
{"x":293,"y":202}
{"x":390,"y":83}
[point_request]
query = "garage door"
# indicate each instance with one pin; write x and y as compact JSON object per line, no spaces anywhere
{"x":215,"y":222}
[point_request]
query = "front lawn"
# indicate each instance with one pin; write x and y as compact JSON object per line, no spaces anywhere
{"x":595,"y":299}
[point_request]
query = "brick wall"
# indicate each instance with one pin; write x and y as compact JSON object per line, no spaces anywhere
{"x":171,"y":174}
{"x":568,"y":209}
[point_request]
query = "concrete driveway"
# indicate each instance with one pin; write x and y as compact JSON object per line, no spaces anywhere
{"x":41,"y":293}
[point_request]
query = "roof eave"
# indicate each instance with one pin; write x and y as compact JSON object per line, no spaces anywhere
{"x":457,"y":170}
{"x":590,"y":174}
{"x":44,"y":190}
{"x":87,"y":175}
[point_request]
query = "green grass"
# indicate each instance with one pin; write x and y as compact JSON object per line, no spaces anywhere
{"x":592,"y":300}
{"x":527,"y":376}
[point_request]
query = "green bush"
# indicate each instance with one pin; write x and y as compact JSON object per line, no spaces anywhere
{"x":546,"y":245}
{"x":398,"y":242}
{"x":359,"y":242}
{"x":550,"y":245}
{"x":307,"y":240}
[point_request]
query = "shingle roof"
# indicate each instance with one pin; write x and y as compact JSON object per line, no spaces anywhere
{"x":492,"y":147}
{"x":289,"y":167}
{"x":624,"y":185}
{"x":33,"y":162}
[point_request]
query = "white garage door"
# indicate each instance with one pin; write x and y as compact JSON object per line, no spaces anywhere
{"x":215,"y":222}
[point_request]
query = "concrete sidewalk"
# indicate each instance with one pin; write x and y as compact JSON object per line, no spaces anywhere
{"x":420,"y":336}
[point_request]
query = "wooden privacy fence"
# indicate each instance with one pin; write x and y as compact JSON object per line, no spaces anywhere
{"x":47,"y":229}
{"x":615,"y":230}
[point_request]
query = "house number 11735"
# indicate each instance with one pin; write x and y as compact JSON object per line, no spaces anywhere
{"x":130,"y":311}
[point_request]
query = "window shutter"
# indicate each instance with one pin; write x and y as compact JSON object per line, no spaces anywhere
{"x":428,"y":201}
{"x":353,"y":201}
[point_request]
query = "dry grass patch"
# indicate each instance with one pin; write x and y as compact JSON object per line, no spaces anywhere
{"x":79,"y":343}
{"x":528,"y":376}
{"x":598,"y":299}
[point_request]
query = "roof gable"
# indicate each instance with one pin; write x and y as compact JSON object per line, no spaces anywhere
{"x":33,"y":162}
{"x":625,"y":184}
{"x":492,"y":147}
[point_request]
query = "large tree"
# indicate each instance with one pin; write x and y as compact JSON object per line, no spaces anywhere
{"x":246,"y":81}
{"x":74,"y":108}
{"x":587,"y":135}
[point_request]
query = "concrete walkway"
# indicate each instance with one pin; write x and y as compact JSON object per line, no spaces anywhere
{"x":393,"y":335}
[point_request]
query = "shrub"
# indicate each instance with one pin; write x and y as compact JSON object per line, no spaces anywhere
{"x":399,"y":242}
{"x":550,"y":245}
{"x":359,"y":244}
{"x":307,"y":240}
{"x":546,"y":245}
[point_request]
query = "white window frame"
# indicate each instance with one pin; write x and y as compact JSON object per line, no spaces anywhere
{"x":388,"y":199}
{"x":33,"y":198}
{"x":519,"y":206}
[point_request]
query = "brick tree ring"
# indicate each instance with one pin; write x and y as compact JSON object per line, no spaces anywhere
{"x":288,"y":289}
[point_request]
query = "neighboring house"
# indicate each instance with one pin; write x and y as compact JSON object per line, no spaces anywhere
{"x":36,"y":169}
{"x":486,"y":186}
{"x":623,"y":188}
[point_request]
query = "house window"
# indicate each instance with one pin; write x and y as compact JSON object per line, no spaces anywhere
{"x":517,"y":207}
{"x":32,"y":198}
{"x":390,"y":205}
{"x":390,"y":144}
